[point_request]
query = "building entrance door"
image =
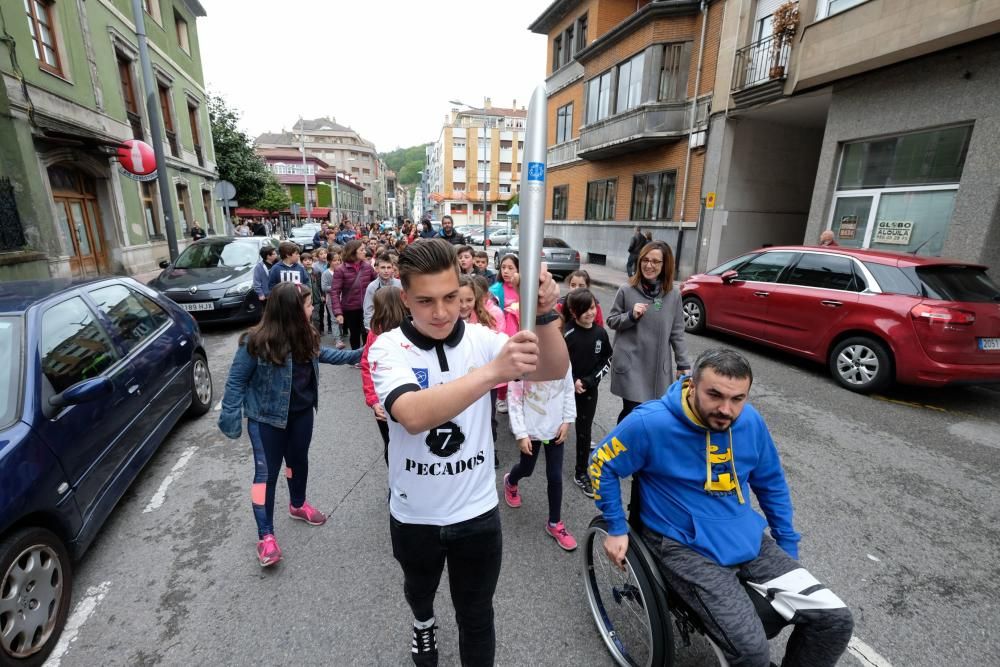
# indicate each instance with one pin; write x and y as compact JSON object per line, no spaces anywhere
{"x":78,"y":220}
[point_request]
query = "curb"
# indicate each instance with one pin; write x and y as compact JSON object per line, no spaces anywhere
{"x":604,"y":283}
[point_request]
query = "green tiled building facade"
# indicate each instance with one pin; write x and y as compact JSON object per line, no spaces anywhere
{"x":72,"y":91}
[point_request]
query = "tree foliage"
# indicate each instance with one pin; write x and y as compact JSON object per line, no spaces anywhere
{"x":406,"y":162}
{"x":235,"y":158}
{"x":275,"y":197}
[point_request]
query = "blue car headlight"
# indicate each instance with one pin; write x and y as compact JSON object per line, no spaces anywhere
{"x":240,"y":289}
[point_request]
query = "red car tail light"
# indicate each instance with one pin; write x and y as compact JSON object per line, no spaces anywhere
{"x":942,"y":315}
{"x":578,"y":256}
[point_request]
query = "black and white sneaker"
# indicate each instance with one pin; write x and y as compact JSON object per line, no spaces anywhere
{"x":583,"y":481}
{"x":424,"y":647}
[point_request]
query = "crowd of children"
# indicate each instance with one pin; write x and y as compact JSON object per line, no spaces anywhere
{"x":540,"y":413}
{"x":353,"y":295}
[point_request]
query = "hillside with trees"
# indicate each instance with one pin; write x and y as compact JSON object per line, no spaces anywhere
{"x":407,"y":163}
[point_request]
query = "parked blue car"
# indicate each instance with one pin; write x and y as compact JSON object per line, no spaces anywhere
{"x":93,"y":376}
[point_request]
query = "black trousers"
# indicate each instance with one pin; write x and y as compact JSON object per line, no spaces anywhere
{"x":586,"y":407}
{"x":627,"y":408}
{"x":473,"y":550}
{"x":383,"y":428}
{"x":354,"y":322}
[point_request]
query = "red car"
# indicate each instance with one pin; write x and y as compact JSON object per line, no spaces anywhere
{"x":873,"y":317}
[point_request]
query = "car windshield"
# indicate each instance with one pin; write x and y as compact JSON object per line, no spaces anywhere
{"x":217,"y":255}
{"x":958,"y":283}
{"x":550,"y":242}
{"x":10,"y":369}
{"x":731,"y":264}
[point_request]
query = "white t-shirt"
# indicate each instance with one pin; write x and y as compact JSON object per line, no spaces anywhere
{"x":445,"y":475}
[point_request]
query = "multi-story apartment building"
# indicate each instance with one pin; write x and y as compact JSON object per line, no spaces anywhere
{"x":629,"y":85}
{"x":72,"y":92}
{"x":418,"y":203}
{"x":331,"y":194}
{"x":396,"y":200}
{"x":475,"y":165}
{"x":877,"y":120}
{"x":343,"y":149}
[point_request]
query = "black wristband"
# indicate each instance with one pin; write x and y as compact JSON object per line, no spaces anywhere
{"x":545,"y":318}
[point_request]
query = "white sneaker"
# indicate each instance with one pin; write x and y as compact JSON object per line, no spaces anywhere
{"x":502,"y":406}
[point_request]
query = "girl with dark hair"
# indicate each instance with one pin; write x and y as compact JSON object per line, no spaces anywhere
{"x":506,"y":291}
{"x":389,"y":313}
{"x":589,"y":351}
{"x":347,"y":293}
{"x":274,"y":382}
{"x":579,"y":279}
{"x":647,"y":313}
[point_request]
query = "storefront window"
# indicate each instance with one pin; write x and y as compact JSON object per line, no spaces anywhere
{"x":922,"y":158}
{"x":909,"y":220}
{"x":898,"y":193}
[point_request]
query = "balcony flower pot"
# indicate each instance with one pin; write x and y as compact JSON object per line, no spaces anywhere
{"x":784,"y":24}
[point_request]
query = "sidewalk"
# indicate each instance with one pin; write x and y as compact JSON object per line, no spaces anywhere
{"x":144,"y":278}
{"x":605,"y":276}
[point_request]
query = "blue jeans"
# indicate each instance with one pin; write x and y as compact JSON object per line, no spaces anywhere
{"x":473,"y":550}
{"x":271,"y":445}
{"x":553,"y":473}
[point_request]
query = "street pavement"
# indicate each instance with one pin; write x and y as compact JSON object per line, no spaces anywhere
{"x":895,"y":497}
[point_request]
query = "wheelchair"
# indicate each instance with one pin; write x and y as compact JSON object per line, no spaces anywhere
{"x":633,"y":608}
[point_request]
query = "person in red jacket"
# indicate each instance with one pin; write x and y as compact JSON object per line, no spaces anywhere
{"x":389,"y":314}
{"x":347,"y":292}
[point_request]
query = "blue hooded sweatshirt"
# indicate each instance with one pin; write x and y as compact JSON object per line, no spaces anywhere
{"x":694,"y":483}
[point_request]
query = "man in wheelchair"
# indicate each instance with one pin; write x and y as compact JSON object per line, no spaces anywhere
{"x":697,"y":452}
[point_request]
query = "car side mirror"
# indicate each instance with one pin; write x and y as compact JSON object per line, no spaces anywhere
{"x":164,"y":264}
{"x":729,"y":277}
{"x":83,"y":392}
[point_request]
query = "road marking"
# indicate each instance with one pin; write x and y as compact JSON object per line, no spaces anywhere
{"x":218,"y":406}
{"x":83,"y":610}
{"x":910,"y":404}
{"x":161,"y":493}
{"x":865,"y":654}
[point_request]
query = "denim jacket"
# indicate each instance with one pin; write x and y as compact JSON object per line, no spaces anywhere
{"x":262,"y":391}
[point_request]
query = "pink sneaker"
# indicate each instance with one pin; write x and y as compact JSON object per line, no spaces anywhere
{"x":307,"y":513}
{"x":562,"y":537}
{"x":510,"y":493}
{"x":268,"y":552}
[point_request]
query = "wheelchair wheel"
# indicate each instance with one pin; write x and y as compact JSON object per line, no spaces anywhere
{"x":630,"y":611}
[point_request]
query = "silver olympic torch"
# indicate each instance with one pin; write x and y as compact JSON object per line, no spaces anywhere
{"x":532,"y":205}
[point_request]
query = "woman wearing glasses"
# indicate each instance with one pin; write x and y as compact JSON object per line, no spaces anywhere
{"x":649,"y":331}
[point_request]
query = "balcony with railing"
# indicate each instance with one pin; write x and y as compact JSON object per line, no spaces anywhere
{"x":562,"y":153}
{"x":760,"y":70}
{"x":643,"y":127}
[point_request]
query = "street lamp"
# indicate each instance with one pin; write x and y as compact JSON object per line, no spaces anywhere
{"x":485,"y":181}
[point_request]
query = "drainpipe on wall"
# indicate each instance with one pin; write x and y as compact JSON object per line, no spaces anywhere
{"x":694,"y":111}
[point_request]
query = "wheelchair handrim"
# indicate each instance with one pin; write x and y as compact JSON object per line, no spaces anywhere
{"x":600,"y":566}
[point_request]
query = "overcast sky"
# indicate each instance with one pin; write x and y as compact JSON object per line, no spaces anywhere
{"x":386,"y":68}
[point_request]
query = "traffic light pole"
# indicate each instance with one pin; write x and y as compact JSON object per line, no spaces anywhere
{"x":156,"y":129}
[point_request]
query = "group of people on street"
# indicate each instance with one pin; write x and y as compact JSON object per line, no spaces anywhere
{"x":444,"y":351}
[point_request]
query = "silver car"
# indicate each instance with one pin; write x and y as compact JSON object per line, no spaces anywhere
{"x":556,"y":253}
{"x":475,"y":237}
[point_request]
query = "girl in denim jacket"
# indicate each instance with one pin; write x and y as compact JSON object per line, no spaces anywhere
{"x":274,"y":382}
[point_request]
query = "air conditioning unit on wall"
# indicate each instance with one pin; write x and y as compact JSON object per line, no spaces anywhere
{"x":698,"y":139}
